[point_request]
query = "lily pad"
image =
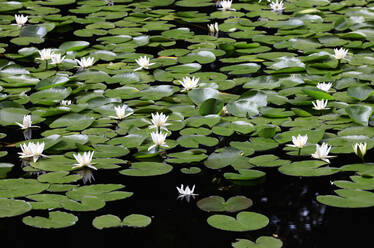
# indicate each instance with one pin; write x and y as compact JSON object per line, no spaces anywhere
{"x":56,"y":219}
{"x":218,"y":204}
{"x":133,"y":220}
{"x":143,"y":169}
{"x":244,"y":221}
{"x":10,"y":208}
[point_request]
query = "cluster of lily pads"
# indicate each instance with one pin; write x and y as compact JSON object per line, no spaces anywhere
{"x":145,"y":87}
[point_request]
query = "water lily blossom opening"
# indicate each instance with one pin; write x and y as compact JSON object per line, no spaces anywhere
{"x":159,"y":121}
{"x":21,"y":20}
{"x":189,"y":83}
{"x":32,"y":150}
{"x":121,"y":112}
{"x":84,"y":160}
{"x":360,"y":149}
{"x":320,"y":104}
{"x":226,"y":5}
{"x":186,"y":191}
{"x":65,"y":103}
{"x":277,"y":6}
{"x":158,"y":139}
{"x":57,"y":59}
{"x":322,"y":152}
{"x":143,"y":62}
{"x":27,"y":123}
{"x":213,"y":28}
{"x":85,"y":62}
{"x":324,"y":86}
{"x":340,"y":53}
{"x":299,"y":141}
{"x":45,"y":54}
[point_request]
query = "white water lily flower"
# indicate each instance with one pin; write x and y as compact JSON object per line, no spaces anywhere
{"x":84,"y":160}
{"x":189,"y":83}
{"x":45,"y":54}
{"x":360,"y":149}
{"x":299,"y":141}
{"x":186,"y":191}
{"x":340,"y":53}
{"x":224,"y":111}
{"x":121,"y":112}
{"x":320,"y":104}
{"x":65,"y":103}
{"x":277,"y":6}
{"x":56,"y":58}
{"x":32,"y":150}
{"x":213,"y":28}
{"x":322,"y":152}
{"x":21,"y":20}
{"x":225,"y":5}
{"x":324,"y":86}
{"x":27,"y":123}
{"x":143,"y":62}
{"x":85,"y":62}
{"x":158,"y":139}
{"x":159,"y":121}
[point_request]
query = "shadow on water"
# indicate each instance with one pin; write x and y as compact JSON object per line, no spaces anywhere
{"x":289,"y":202}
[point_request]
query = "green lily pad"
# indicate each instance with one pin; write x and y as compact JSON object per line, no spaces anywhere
{"x":10,"y":208}
{"x":104,"y":192}
{"x":133,"y":220}
{"x":308,"y":168}
{"x":88,"y":203}
{"x":244,"y":221}
{"x":218,"y":204}
{"x":347,"y":198}
{"x":73,"y":45}
{"x":359,"y":113}
{"x":244,"y":174}
{"x":56,"y":219}
{"x":261,"y":242}
{"x":144,"y":169}
{"x":58,"y":177}
{"x":20,"y":187}
{"x":73,"y":122}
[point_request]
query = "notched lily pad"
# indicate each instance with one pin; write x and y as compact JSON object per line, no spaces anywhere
{"x":56,"y":219}
{"x":218,"y":204}
{"x":109,"y":220}
{"x":244,"y":221}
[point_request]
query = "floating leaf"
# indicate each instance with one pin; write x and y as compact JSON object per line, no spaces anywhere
{"x":244,"y":221}
{"x":142,"y":169}
{"x":261,"y":242}
{"x":10,"y":208}
{"x":55,"y":220}
{"x":359,"y":114}
{"x":218,"y":204}
{"x":133,"y":220}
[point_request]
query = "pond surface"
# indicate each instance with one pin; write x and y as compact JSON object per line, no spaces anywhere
{"x":263,"y":108}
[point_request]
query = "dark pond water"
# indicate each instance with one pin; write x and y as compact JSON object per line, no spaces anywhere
{"x":295,"y":216}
